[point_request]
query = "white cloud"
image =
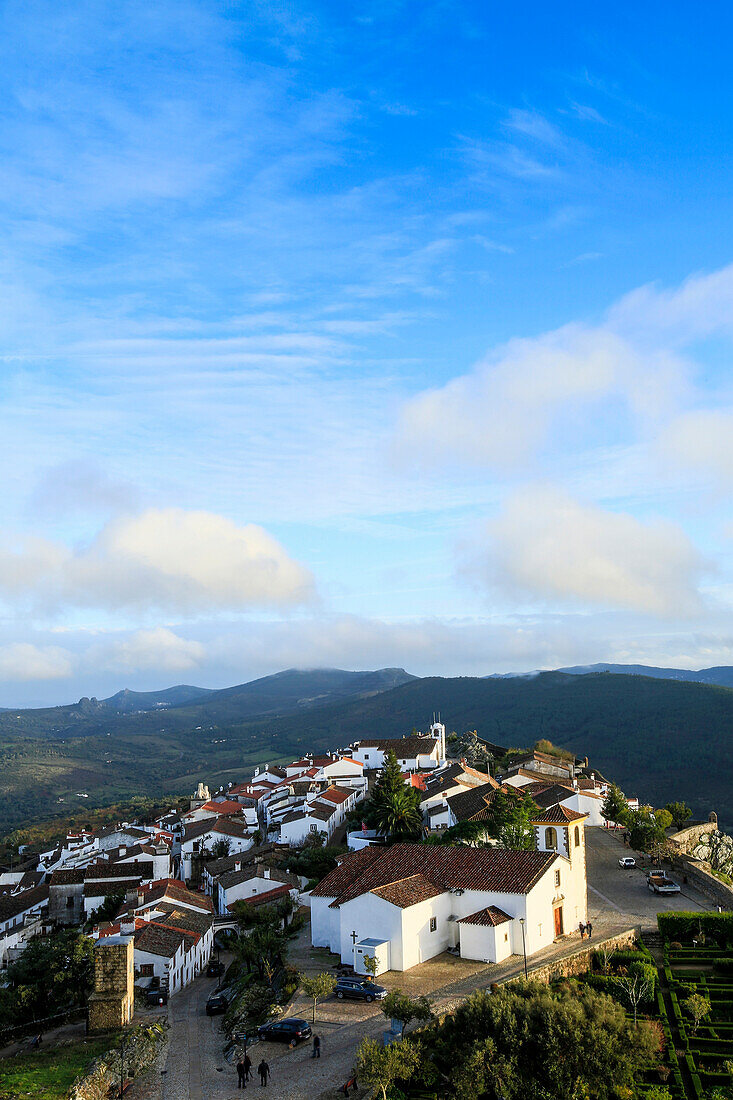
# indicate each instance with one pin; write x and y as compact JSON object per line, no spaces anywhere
{"x":22,"y":661}
{"x":547,"y":545}
{"x":163,"y":558}
{"x":158,"y":650}
{"x":502,"y":411}
{"x":701,"y":440}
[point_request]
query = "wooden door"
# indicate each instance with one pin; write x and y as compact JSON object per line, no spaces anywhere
{"x":558,"y":922}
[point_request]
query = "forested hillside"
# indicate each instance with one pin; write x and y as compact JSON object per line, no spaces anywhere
{"x":661,"y":739}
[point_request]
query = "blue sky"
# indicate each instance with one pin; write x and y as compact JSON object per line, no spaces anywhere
{"x":362,"y":334}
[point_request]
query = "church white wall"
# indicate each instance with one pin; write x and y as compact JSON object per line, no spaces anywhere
{"x":325,"y":925}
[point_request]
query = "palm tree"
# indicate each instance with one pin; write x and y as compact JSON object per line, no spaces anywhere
{"x":397,"y":814}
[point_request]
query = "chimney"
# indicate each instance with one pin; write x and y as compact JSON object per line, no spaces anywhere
{"x":123,"y":850}
{"x":127,"y":926}
{"x":140,"y":897}
{"x":575,"y":784}
{"x":238,"y":865}
{"x":266,"y":872}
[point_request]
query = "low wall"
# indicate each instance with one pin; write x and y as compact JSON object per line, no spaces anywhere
{"x":142,"y":1046}
{"x":699,"y":875}
{"x":581,"y":960}
{"x":689,"y":838}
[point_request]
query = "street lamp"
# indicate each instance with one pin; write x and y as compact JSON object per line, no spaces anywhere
{"x":524,"y":946}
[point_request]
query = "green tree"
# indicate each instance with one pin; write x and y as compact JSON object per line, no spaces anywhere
{"x":53,"y":973}
{"x":615,"y":808}
{"x":680,"y":812}
{"x":472,"y":833}
{"x":645,"y":832}
{"x":379,"y":1067}
{"x":541,"y":1042}
{"x":221,"y":848}
{"x":394,"y":807}
{"x":663,"y":818}
{"x":284,"y":908}
{"x":508,"y":819}
{"x":318,"y":986}
{"x":371,"y":965}
{"x":403,"y":1008}
{"x":697,"y":1008}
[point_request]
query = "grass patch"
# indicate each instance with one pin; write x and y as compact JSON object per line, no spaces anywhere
{"x":48,"y":1074}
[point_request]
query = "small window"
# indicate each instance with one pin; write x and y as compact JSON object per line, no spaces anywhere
{"x":506,"y":937}
{"x":433,"y":924}
{"x":557,"y":878}
{"x":577,"y":835}
{"x":366,"y":755}
{"x":70,"y":902}
{"x":314,"y":828}
{"x":550,"y":837}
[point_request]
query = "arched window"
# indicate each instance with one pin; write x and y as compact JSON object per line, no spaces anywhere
{"x":550,"y":837}
{"x":577,"y":835}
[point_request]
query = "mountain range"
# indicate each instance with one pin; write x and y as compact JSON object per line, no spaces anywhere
{"x":660,"y":738}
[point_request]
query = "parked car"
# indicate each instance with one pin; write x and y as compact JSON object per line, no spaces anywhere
{"x":627,"y":861}
{"x":216,"y":1004}
{"x":155,"y":997}
{"x":292,"y":1030}
{"x":214,"y":969}
{"x":359,"y":989}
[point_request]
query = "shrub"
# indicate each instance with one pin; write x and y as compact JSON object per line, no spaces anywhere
{"x":686,"y":926}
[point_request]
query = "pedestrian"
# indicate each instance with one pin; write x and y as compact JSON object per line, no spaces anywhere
{"x":241,"y":1074}
{"x":247,"y":1066}
{"x":316,"y":1047}
{"x":264,"y":1071}
{"x":589,"y":929}
{"x":581,"y":929}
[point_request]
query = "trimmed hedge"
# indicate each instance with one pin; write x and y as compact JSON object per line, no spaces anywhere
{"x":680,"y":926}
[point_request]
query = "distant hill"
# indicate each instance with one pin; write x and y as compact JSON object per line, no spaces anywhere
{"x":130,"y":702}
{"x":721,"y":674}
{"x":659,"y":738}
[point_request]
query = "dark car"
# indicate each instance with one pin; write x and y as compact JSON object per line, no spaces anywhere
{"x":359,"y":989}
{"x":156,"y":997}
{"x":214,"y":969}
{"x":292,"y":1030}
{"x":216,"y":1004}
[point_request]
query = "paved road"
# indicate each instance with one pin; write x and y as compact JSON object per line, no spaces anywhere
{"x":193,"y":1067}
{"x":625,"y":893}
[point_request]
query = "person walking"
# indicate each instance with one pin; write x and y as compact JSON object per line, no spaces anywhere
{"x":589,"y":929}
{"x":581,"y":929}
{"x":247,"y":1066}
{"x":264,"y":1071}
{"x":241,"y":1074}
{"x":316,"y":1047}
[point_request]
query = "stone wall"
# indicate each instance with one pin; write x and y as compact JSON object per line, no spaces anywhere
{"x":701,"y":877}
{"x":581,"y":960}
{"x":142,"y":1045}
{"x":689,"y":838}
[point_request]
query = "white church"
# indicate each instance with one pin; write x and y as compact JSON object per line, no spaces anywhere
{"x":406,"y":904}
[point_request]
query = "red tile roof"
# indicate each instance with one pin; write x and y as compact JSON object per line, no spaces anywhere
{"x":264,"y":899}
{"x":557,"y":815}
{"x":336,"y":794}
{"x":489,"y":917}
{"x":228,"y":806}
{"x":498,"y":869}
{"x":409,"y":891}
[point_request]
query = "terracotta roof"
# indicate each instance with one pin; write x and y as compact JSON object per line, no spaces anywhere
{"x":159,"y":940}
{"x":409,"y":891}
{"x":222,"y":825}
{"x":173,"y":889}
{"x":16,"y":904}
{"x":336,"y":795}
{"x":480,"y":775}
{"x":227,"y":806}
{"x":557,"y":814}
{"x":321,"y":813}
{"x":184,"y":920}
{"x":501,"y":870}
{"x":265,"y":898}
{"x":109,"y":887}
{"x":489,"y":917}
{"x":472,"y":804}
{"x":70,"y":876}
{"x":404,"y":748}
{"x":138,"y":869}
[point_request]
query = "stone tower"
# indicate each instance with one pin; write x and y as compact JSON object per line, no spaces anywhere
{"x":112,"y":1002}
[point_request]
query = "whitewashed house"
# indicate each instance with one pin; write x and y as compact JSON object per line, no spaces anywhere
{"x":414,"y":754}
{"x":201,"y":836}
{"x":408,"y":903}
{"x":256,"y":884}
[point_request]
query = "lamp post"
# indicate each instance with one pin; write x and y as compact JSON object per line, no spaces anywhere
{"x":524,"y":946}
